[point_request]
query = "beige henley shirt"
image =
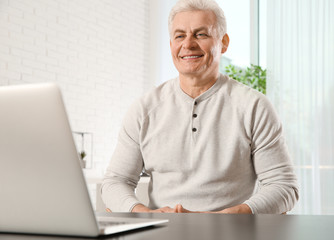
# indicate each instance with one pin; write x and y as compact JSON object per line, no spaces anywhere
{"x":206,"y":153}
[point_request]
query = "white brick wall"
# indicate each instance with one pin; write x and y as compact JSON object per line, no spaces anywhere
{"x":96,"y":50}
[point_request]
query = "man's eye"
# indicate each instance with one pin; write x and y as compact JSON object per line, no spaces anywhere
{"x":178,"y":36}
{"x":201,"y":35}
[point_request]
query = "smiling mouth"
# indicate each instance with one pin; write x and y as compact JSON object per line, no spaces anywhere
{"x":192,"y":57}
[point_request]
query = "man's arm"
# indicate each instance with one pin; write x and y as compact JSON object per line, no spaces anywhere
{"x":120,"y":181}
{"x":278,"y":188}
{"x":124,"y":170}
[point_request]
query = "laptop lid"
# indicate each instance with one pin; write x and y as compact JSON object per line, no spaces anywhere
{"x":42,"y":187}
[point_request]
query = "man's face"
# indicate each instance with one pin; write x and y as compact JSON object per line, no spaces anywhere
{"x":195,"y":46}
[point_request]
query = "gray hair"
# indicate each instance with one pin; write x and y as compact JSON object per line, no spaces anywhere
{"x":202,"y":5}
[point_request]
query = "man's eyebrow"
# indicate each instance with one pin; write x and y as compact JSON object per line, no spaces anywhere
{"x":179,"y":31}
{"x":195,"y":30}
{"x":200,"y":29}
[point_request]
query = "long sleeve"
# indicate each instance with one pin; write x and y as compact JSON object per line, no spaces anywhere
{"x":206,"y":153}
{"x":278,"y":189}
{"x":123,"y":172}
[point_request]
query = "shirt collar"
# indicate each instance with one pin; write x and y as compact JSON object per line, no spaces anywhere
{"x":208,"y":93}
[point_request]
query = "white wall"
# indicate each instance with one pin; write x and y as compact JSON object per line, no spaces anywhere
{"x":96,"y":50}
{"x":166,"y":65}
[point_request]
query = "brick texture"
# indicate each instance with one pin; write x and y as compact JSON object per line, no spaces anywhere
{"x":95,"y":50}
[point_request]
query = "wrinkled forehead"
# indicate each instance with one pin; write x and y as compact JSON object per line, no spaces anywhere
{"x":192,"y":20}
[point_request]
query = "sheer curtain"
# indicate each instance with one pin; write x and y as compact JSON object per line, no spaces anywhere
{"x":300,"y":63}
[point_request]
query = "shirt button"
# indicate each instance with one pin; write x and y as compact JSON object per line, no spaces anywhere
{"x":194,"y":129}
{"x":195,"y":103}
{"x":195,"y":115}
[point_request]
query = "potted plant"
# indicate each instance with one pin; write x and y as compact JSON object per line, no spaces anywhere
{"x":82,"y":156}
{"x":253,"y":76}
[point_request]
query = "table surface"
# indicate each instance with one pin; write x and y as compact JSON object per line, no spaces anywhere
{"x":218,"y":226}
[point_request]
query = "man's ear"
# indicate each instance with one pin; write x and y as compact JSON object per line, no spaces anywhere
{"x":225,"y":41}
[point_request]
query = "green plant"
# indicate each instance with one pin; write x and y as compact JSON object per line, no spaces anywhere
{"x":82,"y":155}
{"x":253,"y":76}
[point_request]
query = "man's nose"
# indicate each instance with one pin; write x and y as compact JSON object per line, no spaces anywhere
{"x":189,"y":42}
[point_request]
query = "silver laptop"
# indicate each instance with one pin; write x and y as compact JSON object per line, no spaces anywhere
{"x":42,"y":186}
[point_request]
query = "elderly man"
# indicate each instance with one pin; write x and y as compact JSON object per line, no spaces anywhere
{"x":205,"y":139}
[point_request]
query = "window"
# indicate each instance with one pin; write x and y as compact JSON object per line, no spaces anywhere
{"x":237,"y":13}
{"x":300,"y":56}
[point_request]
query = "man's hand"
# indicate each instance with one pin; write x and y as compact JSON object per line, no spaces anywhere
{"x":177,"y":209}
{"x":239,"y":209}
{"x":142,"y":208}
{"x":180,"y":209}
